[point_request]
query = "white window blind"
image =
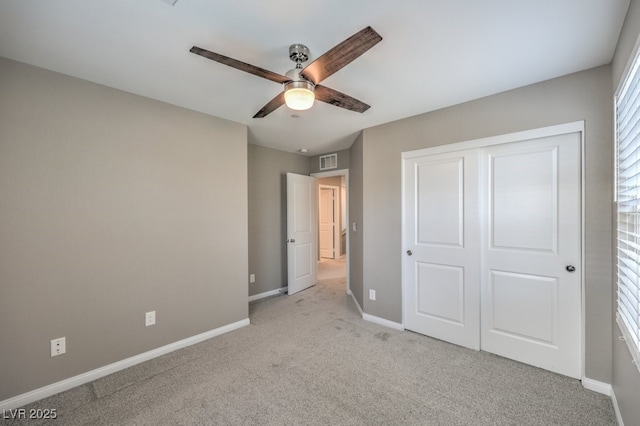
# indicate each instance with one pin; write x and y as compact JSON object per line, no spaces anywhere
{"x":627,"y":134}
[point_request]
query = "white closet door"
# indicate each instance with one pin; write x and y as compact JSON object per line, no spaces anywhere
{"x":493,"y":240}
{"x":531,"y":301}
{"x":442,"y":239}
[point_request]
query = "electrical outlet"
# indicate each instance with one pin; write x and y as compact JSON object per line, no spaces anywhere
{"x":372,"y":295}
{"x":149,"y":318}
{"x":252,"y":278}
{"x":58,"y":346}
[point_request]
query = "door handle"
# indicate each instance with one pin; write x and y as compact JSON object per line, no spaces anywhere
{"x":409,"y":252}
{"x":570,"y":268}
{"x":291,"y":240}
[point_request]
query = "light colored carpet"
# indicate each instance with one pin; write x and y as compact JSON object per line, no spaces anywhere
{"x":333,"y":269}
{"x":310,"y":359}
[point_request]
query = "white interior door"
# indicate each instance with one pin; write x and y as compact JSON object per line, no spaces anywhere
{"x":442,"y":238}
{"x":531,"y":308}
{"x":301,"y":232}
{"x":327,"y":222}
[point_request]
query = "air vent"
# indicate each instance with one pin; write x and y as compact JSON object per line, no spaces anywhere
{"x":329,"y":161}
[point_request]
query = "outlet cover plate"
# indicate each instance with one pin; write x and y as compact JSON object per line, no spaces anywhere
{"x":149,"y":318}
{"x":372,"y":295}
{"x":58,"y":346}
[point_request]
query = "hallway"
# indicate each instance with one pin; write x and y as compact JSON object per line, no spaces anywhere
{"x":333,"y":269}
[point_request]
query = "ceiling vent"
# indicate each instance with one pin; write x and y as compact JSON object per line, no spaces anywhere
{"x":329,"y":161}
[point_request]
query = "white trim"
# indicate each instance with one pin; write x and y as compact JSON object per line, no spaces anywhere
{"x":89,"y":376}
{"x":583,"y":244}
{"x":616,"y":408}
{"x":382,"y":321}
{"x":332,"y":173}
{"x":560,"y":129}
{"x":626,"y":337}
{"x":403,"y":240}
{"x":345,"y":173}
{"x":596,"y":386}
{"x":269,"y":293}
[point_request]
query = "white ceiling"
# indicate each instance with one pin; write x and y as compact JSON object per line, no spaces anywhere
{"x":434,"y":53}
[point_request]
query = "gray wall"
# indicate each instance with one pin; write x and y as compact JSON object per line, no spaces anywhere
{"x":343,"y":161}
{"x":581,"y":96}
{"x":626,"y":378}
{"x":267,"y":170}
{"x":356,"y":248}
{"x":111,"y":205}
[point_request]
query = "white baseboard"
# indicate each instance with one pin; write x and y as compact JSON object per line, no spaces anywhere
{"x":268,"y":293}
{"x":382,"y":321}
{"x":616,"y":408}
{"x":89,"y":376}
{"x":596,"y":386}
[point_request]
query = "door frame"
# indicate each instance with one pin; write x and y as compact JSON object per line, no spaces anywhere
{"x":345,"y":173}
{"x":560,"y":129}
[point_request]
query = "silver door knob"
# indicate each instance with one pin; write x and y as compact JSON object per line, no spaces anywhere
{"x":409,"y":252}
{"x":570,"y":268}
{"x":292,"y":240}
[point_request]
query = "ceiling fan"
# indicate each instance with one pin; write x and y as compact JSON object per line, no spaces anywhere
{"x":301,"y":85}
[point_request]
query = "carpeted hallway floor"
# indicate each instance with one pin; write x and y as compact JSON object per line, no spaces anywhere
{"x":310,"y":359}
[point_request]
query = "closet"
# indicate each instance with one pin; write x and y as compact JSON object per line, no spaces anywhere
{"x":492,"y":233}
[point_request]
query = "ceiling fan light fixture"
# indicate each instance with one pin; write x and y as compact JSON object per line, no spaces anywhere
{"x":299,"y":95}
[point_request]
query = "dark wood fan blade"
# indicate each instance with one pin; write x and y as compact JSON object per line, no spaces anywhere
{"x":243,"y":66}
{"x":341,"y":55}
{"x":271,"y":106}
{"x":339,"y":99}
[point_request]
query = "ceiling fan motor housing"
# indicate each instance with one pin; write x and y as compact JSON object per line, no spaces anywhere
{"x":298,"y":53}
{"x":295,"y":77}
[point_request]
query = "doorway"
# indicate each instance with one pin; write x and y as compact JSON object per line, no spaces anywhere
{"x":333,"y":260}
{"x":330,"y":228}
